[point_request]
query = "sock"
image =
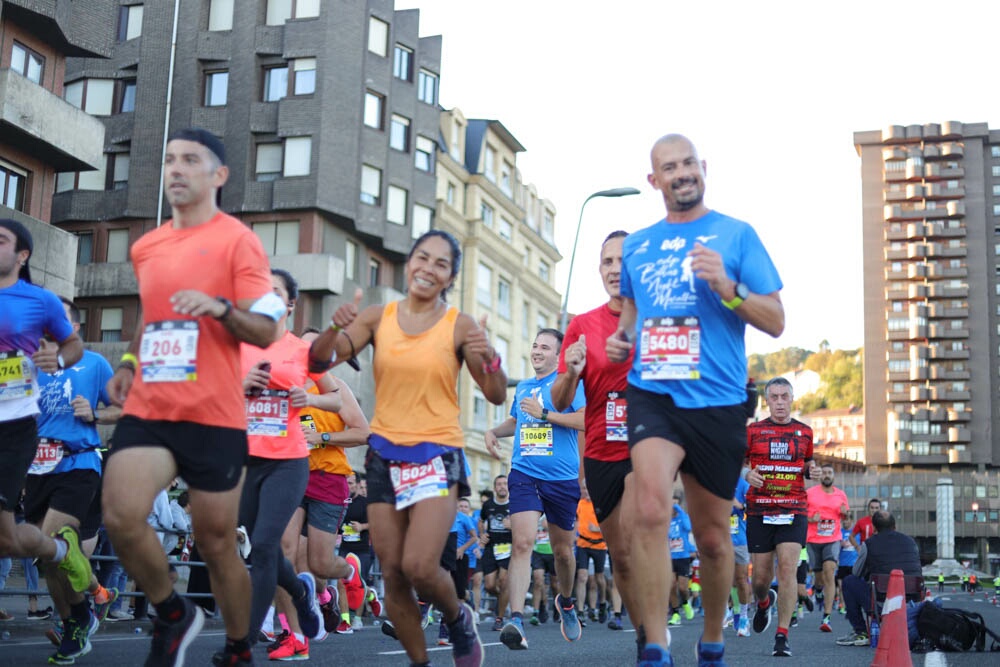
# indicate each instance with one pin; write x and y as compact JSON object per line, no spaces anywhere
{"x":346,"y":616}
{"x":324,"y":596}
{"x":618,"y":616}
{"x":562,"y":602}
{"x":101,"y":595}
{"x":683,"y":598}
{"x":284,"y":622}
{"x":370,"y":595}
{"x":268,"y":624}
{"x":456,"y":622}
{"x":516,"y":614}
{"x":239,"y":647}
{"x":61,"y":548}
{"x":734,"y":595}
{"x":711,"y":648}
{"x":300,"y":637}
{"x":172,"y":609}
{"x":765,"y":603}
{"x":745,"y":609}
{"x":736,"y":620}
{"x":654,"y":647}
{"x":781,"y":631}
{"x":81,"y":612}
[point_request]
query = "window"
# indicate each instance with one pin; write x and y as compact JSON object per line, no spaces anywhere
{"x":449,"y":196}
{"x":129,"y":22}
{"x":82,"y":180}
{"x":456,"y":134}
{"x":486,"y":214}
{"x":125,"y":95}
{"x":278,"y":238}
{"x":506,"y":183}
{"x":92,"y":95}
{"x":489,"y":163}
{"x":548,"y":227}
{"x":12,"y":186}
{"x":279,"y":11}
{"x":484,"y":285}
{"x":427,"y":87}
{"x":351,"y":259}
{"x":423,"y":218}
{"x":374,"y":104}
{"x":216,"y":88}
{"x":303,"y":76}
{"x":541,"y":322}
{"x":399,"y":133}
{"x":118,"y":166}
{"x":220,"y":15}
{"x":298,"y":156}
{"x":506,"y":229}
{"x":374,"y":272}
{"x":371,"y":185}
{"x":478,"y":410}
{"x":275,"y":83}
{"x":268,"y":166}
{"x":543,"y":270}
{"x":29,"y":64}
{"x":117,"y":246}
{"x":503,"y":298}
{"x":378,"y":36}
{"x":424,"y":155}
{"x":111,"y":325}
{"x":996,"y":171}
{"x":84,"y":247}
{"x":395,"y":209}
{"x":402,"y":63}
{"x":525,"y":318}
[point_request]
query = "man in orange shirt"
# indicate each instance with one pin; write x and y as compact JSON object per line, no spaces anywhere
{"x":590,"y":548}
{"x":204,"y":286}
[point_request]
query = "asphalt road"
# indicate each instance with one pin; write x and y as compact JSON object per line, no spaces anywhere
{"x":117,"y":644}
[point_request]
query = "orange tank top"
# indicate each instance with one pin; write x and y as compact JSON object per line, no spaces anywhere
{"x":416,"y":382}
{"x":329,"y":459}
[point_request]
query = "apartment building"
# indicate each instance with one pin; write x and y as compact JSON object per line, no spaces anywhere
{"x":40,"y":133}
{"x":506,"y":231}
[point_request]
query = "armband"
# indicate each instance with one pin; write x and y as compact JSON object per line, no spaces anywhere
{"x":129,"y":361}
{"x":269,"y":305}
{"x":492,"y":366}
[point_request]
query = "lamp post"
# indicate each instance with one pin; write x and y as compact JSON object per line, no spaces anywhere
{"x":614,"y":192}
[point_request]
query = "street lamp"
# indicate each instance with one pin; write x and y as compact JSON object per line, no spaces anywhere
{"x":614,"y":192}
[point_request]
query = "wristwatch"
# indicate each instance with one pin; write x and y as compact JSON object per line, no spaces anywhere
{"x":325,"y":437}
{"x":545,"y":413}
{"x":742,"y":294}
{"x":229,"y":307}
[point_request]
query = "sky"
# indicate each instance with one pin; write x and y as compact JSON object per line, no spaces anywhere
{"x":770,"y":93}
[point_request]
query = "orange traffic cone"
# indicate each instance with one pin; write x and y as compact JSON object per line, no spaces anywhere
{"x":894,"y":640}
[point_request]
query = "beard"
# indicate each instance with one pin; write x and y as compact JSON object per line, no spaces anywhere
{"x":826,"y":482}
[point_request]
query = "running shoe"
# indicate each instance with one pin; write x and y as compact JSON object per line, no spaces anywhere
{"x":744,"y":628}
{"x":709,"y":658}
{"x":614,"y":623}
{"x":278,"y":640}
{"x":781,"y":647}
{"x":6,"y":616}
{"x":688,"y":610}
{"x":74,"y":563}
{"x":655,"y":656}
{"x":443,"y":635}
{"x":728,"y":618}
{"x":357,"y":623}
{"x":374,"y":603}
{"x":55,"y":634}
{"x":426,"y":616}
{"x":290,"y":649}
{"x":467,"y":649}
{"x":310,"y":615}
{"x":602,"y":613}
{"x":344,"y":628}
{"x":794,"y":623}
{"x":675,"y":619}
{"x":171,"y":640}
{"x":75,"y":641}
{"x":854,"y":639}
{"x":119,"y":615}
{"x":534,"y":619}
{"x":226,"y":659}
{"x":37,"y":615}
{"x":498,"y":624}
{"x":808,"y":602}
{"x":101,"y":608}
{"x":331,"y":610}
{"x":762,"y":617}
{"x":543,"y":613}
{"x":569,"y":622}
{"x":825,"y":625}
{"x":512,"y":635}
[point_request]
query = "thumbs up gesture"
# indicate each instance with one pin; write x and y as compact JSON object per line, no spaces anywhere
{"x":46,"y":357}
{"x":618,"y":346}
{"x":477,"y":342}
{"x":348,"y":312}
{"x":576,"y":355}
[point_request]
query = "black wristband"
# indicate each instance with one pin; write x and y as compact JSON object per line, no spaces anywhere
{"x":229,"y":307}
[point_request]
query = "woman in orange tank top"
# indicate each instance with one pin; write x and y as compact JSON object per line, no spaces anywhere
{"x":415,"y":464}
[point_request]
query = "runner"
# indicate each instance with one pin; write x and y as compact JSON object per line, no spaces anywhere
{"x":606,"y":464}
{"x":845,"y":563}
{"x":495,"y":538}
{"x":779,"y":455}
{"x":863,"y":529}
{"x":204,"y":286}
{"x":741,"y":575}
{"x":591,"y":556}
{"x":681,"y":551}
{"x":827,"y":508}
{"x":415,"y":464}
{"x":542,"y":563}
{"x":544,"y":479}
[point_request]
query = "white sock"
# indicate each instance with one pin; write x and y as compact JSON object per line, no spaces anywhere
{"x":300,"y":637}
{"x":61,"y":549}
{"x":268,"y":625}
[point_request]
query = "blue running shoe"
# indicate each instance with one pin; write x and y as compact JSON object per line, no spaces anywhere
{"x":310,"y":615}
{"x":654,"y":655}
{"x":569,"y":622}
{"x":709,"y":658}
{"x":512,"y":635}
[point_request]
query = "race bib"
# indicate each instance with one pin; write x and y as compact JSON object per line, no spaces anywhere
{"x":169,"y":351}
{"x":48,"y":455}
{"x":826,"y":527}
{"x":501,"y":551}
{"x":615,"y":418}
{"x":413,"y":482}
{"x":779,"y":519}
{"x":536,"y":439}
{"x":351,"y":535}
{"x":676,"y":545}
{"x":15,"y":376}
{"x":734,"y":524}
{"x":542,"y":536}
{"x":670,"y":348}
{"x":267,"y":414}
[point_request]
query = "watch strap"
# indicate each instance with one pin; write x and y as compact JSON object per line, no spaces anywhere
{"x":734,"y":303}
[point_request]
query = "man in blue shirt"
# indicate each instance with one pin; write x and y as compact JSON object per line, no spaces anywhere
{"x":681,"y":551}
{"x":544,"y":479}
{"x":690,"y":283}
{"x":741,"y":578}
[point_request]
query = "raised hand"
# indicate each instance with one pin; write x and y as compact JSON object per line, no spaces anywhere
{"x":46,"y":357}
{"x":576,"y":355}
{"x":82,"y":410}
{"x":348,"y":312}
{"x":618,"y":346}
{"x":477,"y":341}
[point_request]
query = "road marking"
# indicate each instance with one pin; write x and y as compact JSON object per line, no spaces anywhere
{"x":123,"y":638}
{"x":935,"y":659}
{"x":434,"y":648}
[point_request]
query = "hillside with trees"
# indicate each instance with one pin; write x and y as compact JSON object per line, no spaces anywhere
{"x":840,"y":372}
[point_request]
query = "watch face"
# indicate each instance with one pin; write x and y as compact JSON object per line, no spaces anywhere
{"x":742,"y":291}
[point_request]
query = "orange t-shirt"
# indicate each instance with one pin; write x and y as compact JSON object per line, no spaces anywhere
{"x":586,"y":537}
{"x":221,"y":257}
{"x":416,"y":382}
{"x":289,"y":357}
{"x":330,"y":459}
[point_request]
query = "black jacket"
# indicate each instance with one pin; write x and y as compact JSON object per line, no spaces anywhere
{"x":887,"y":551}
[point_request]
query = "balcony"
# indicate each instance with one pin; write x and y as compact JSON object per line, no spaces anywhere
{"x":893,"y":153}
{"x":894,"y":134}
{"x":315,"y":272}
{"x":916,"y":271}
{"x":941,"y":311}
{"x":936,"y":171}
{"x":956,"y":209}
{"x":41,"y":124}
{"x":959,"y":456}
{"x":915,"y":192}
{"x":950,"y":230}
{"x":937,"y":190}
{"x":939,"y":330}
{"x":959,"y":415}
{"x":938,"y":352}
{"x":897,"y":397}
{"x":951,"y":129}
{"x":892,"y":254}
{"x":940,"y":291}
{"x":106,"y":280}
{"x":942,"y":373}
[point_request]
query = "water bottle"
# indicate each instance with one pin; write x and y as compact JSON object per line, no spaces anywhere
{"x":874,"y":633}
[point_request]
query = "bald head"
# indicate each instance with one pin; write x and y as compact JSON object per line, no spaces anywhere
{"x":670,"y":139}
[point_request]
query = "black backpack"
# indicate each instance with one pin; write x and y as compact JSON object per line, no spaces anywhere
{"x":950,"y":629}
